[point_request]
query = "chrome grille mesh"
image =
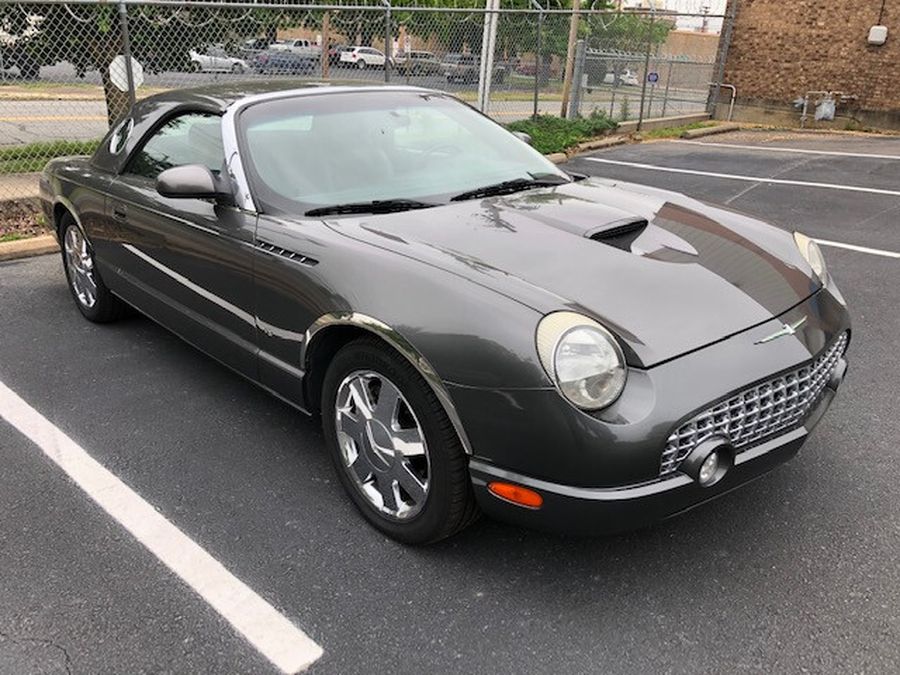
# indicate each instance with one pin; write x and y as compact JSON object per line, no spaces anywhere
{"x":757,"y":412}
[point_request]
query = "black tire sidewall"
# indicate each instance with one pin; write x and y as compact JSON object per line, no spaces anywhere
{"x":431,"y":522}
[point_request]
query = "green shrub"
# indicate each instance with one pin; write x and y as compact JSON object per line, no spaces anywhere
{"x":554,"y":134}
{"x":33,"y":157}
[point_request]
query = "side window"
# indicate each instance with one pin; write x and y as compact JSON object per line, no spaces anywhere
{"x":195,"y":138}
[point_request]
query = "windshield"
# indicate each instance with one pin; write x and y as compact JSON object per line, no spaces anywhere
{"x":307,"y":152}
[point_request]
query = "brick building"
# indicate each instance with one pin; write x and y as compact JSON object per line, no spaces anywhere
{"x":781,"y":49}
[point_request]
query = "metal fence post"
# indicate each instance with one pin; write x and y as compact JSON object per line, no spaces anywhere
{"x":666,"y":93}
{"x":570,"y":58}
{"x":486,"y":65}
{"x":538,"y":57}
{"x":646,"y":70}
{"x":577,"y":72}
{"x":126,"y":50}
{"x":725,"y":42}
{"x":388,"y":40}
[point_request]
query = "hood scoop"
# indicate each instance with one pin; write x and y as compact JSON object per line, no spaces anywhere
{"x":619,"y":233}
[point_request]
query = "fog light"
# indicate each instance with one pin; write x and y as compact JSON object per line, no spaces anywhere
{"x":709,"y":468}
{"x":709,"y":461}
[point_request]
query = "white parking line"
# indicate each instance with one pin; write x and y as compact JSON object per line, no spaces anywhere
{"x":859,"y":249}
{"x":749,"y":179}
{"x":799,"y":151}
{"x":271,"y":633}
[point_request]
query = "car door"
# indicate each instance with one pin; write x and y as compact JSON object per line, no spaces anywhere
{"x":186,"y":262}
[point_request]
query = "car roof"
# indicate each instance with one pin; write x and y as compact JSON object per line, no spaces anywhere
{"x":216,"y":99}
{"x":223,"y":96}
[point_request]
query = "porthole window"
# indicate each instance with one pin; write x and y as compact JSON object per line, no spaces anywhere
{"x":120,"y":135}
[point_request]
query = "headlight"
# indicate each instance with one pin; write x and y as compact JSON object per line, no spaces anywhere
{"x":582,"y":358}
{"x":810,"y":250}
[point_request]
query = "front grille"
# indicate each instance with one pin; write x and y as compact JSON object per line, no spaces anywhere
{"x":758,"y":412}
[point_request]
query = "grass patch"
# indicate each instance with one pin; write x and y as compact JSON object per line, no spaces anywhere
{"x":675,"y":132}
{"x":554,"y":134}
{"x":12,"y":236}
{"x":33,"y":157}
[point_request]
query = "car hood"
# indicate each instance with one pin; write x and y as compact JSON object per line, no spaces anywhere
{"x":666,"y":273}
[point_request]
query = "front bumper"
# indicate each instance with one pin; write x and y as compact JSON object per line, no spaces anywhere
{"x":603,"y":472}
{"x":585,"y":511}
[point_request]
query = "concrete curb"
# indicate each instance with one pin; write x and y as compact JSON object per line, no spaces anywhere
{"x":709,"y":131}
{"x":600,"y":143}
{"x":26,"y":248}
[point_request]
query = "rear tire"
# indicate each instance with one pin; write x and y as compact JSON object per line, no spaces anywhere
{"x":361,"y":64}
{"x":372,"y":446}
{"x":91,"y":296}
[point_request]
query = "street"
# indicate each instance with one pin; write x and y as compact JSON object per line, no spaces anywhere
{"x":795,"y":572}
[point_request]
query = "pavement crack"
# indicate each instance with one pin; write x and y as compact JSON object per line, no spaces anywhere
{"x":20,"y":640}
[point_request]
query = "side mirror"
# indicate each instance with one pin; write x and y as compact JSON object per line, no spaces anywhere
{"x":522,"y":136}
{"x":192,"y":181}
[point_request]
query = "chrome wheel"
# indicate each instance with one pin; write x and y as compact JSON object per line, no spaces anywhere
{"x":382,"y":445}
{"x":80,"y":266}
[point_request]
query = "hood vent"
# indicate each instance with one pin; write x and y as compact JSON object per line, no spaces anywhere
{"x":620,"y":233}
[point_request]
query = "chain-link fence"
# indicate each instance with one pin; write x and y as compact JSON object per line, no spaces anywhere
{"x":65,"y":74}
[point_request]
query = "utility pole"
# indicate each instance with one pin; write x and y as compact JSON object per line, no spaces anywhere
{"x":488,"y":45}
{"x":326,"y":57}
{"x":570,"y":58}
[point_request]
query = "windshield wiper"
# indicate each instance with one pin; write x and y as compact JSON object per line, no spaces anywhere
{"x":510,"y":186}
{"x":375,"y":206}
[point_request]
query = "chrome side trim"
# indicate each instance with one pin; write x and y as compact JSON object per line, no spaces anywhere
{"x":264,"y":327}
{"x":199,"y":290}
{"x":402,"y":345}
{"x":591,"y":494}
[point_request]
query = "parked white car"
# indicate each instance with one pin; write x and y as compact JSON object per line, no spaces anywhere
{"x":363,"y":57}
{"x":297,"y":46}
{"x":214,"y":59}
{"x":626,"y":77}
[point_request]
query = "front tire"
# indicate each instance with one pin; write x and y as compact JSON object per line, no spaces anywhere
{"x":393,"y":446}
{"x":237,"y":69}
{"x":361,"y":64}
{"x":91,"y":295}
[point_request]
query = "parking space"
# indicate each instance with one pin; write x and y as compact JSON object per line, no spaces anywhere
{"x":795,"y":572}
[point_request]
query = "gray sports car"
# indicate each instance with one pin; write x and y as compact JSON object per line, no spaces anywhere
{"x":478,"y":330}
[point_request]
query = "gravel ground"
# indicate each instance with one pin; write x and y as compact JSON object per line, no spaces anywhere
{"x":21,"y":218}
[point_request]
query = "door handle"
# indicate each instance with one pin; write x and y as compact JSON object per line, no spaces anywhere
{"x":120,"y":212}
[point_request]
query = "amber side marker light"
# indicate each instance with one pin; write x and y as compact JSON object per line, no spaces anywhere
{"x":518,"y":495}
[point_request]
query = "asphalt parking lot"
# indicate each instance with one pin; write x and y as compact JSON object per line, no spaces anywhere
{"x":796,"y":572}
